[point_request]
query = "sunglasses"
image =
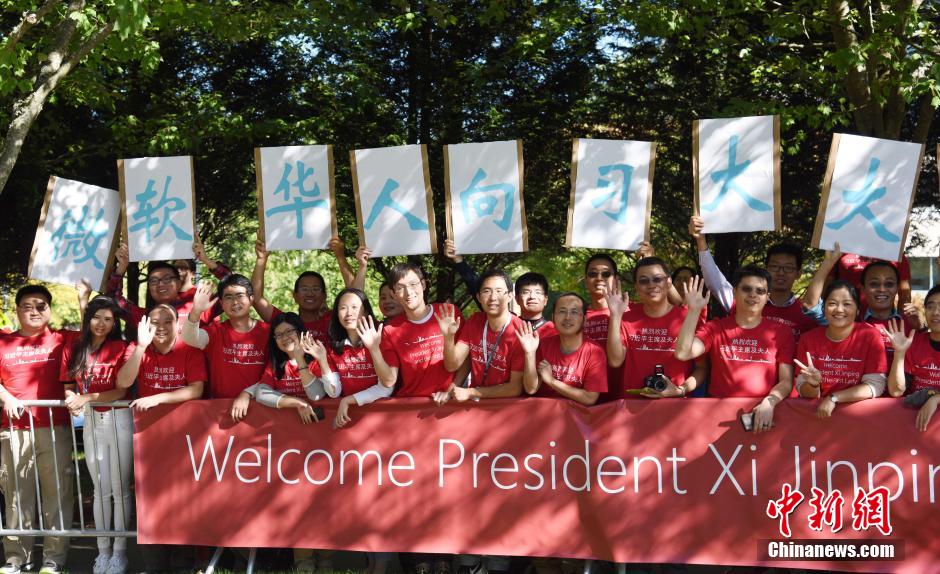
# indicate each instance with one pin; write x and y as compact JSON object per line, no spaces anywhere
{"x":595,"y":274}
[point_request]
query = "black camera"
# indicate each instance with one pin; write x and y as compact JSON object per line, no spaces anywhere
{"x":657,"y":381}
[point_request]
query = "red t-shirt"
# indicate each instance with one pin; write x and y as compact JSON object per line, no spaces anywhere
{"x":320,"y":329}
{"x":922,"y":361}
{"x":355,"y":368}
{"x":29,"y":370}
{"x":236,"y":360}
{"x":503,"y":351}
{"x":547,"y":329}
{"x":161,"y":373}
{"x":744,"y":361}
{"x":583,"y":369}
{"x":842,"y":364}
{"x":790,"y":316}
{"x":101,"y":368}
{"x":290,"y":384}
{"x":417,"y":350}
{"x":882,"y":326}
{"x":851,"y":266}
{"x":596,"y":322}
{"x":651,"y":341}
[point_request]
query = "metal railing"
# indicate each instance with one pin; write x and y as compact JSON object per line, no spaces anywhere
{"x":14,"y":478}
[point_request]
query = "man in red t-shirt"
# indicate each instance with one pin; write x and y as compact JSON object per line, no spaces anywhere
{"x":851,"y":268}
{"x":29,"y":370}
{"x":488,"y":339}
{"x":917,"y":360}
{"x":751,"y":356}
{"x":648,"y":332}
{"x":412,"y":344}
{"x":237,"y":348}
{"x":564,"y":365}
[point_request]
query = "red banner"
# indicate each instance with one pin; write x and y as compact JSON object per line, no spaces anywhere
{"x":671,"y":481}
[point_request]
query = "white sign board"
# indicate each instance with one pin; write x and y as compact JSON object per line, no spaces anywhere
{"x":296,"y":208}
{"x":611,"y":193}
{"x":393,"y":200}
{"x":867,"y":195}
{"x":485,"y":209}
{"x":159,"y":202}
{"x":736,"y":165}
{"x":76,"y":233}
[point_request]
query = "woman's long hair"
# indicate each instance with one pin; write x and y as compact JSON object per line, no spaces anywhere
{"x":81,"y":348}
{"x":337,"y":332}
{"x":278,"y":357}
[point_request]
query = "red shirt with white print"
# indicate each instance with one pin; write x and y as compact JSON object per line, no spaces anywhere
{"x":29,"y":370}
{"x":355,"y":368}
{"x":582,"y":369}
{"x":417,"y":350}
{"x":290,"y":384}
{"x":500,"y":349}
{"x":101,"y":368}
{"x":319,"y":328}
{"x":744,"y":362}
{"x":236,"y":360}
{"x":161,"y":373}
{"x":922,"y":361}
{"x":651,"y":341}
{"x":843,"y":363}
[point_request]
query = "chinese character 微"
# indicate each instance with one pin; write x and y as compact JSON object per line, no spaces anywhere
{"x":79,"y":237}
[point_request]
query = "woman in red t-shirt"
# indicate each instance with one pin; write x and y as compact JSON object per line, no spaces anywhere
{"x":845,"y":360}
{"x":89,"y":370}
{"x":287,"y":381}
{"x":917,"y":361}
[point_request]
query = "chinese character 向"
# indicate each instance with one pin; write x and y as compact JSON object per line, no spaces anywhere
{"x":80,"y":237}
{"x":478,"y":201}
{"x":146,"y":214}
{"x":861,"y":198}
{"x":784,"y":506}
{"x":626,"y":171}
{"x":299,"y":204}
{"x":727,"y":178}
{"x":385,"y":200}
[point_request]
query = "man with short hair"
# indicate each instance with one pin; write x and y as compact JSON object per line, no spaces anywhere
{"x":566,"y":364}
{"x":648,"y":333}
{"x":784,"y":261}
{"x":751,"y":355}
{"x":532,"y":298}
{"x":309,"y":294}
{"x":29,"y":370}
{"x":237,"y":348}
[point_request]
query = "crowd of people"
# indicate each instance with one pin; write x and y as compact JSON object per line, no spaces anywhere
{"x":853,"y":334}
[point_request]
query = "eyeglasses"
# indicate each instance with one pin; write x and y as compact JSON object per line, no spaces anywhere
{"x":40,"y":308}
{"x":285,"y":334}
{"x":603,"y":274}
{"x":885,"y":285}
{"x":310,"y":290}
{"x":532,"y":293}
{"x":164,"y":280}
{"x":657,"y":280}
{"x":232,"y":297}
{"x":399,"y":288}
{"x":485,"y":293}
{"x":781,"y":268}
{"x":751,"y":289}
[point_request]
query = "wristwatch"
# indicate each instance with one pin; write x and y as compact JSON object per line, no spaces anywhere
{"x":834,"y":399}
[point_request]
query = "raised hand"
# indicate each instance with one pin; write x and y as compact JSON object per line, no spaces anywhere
{"x":833,"y":255}
{"x":204,"y":298}
{"x":899,"y":340}
{"x":261,"y":250}
{"x":810,"y":373}
{"x":145,"y":332}
{"x":199,"y":250}
{"x":447,"y":319}
{"x":528,"y":338}
{"x":617,"y":302}
{"x":337,"y":246}
{"x":83,"y":288}
{"x":912,"y":313}
{"x":696,"y":226}
{"x":370,"y":336}
{"x":645,"y":249}
{"x":363,"y":254}
{"x":450,"y":251}
{"x":123,"y":259}
{"x":312,"y":346}
{"x":695,"y":297}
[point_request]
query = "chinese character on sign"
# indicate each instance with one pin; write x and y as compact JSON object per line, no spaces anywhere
{"x":783,"y":507}
{"x":861,"y":198}
{"x":478,"y":201}
{"x":620,"y":199}
{"x":826,"y":510}
{"x":79,"y":238}
{"x":872,"y":509}
{"x":727,"y":178}
{"x":304,"y":199}
{"x":385,"y":200}
{"x":149,"y":215}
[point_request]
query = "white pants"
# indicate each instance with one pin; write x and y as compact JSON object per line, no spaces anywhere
{"x":109,"y":453}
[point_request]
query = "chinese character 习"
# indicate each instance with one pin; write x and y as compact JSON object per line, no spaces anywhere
{"x":861,"y":199}
{"x":385,"y":200}
{"x":147,"y":214}
{"x":783,"y":507}
{"x":603,"y":184}
{"x":727,"y":178}
{"x":826,"y":510}
{"x":80,"y":237}
{"x":872,"y":508}
{"x":300,"y":203}
{"x":479,"y":201}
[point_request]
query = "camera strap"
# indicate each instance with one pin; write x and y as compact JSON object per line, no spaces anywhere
{"x":487,"y":357}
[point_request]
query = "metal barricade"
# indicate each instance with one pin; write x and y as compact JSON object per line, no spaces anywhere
{"x":11,"y":448}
